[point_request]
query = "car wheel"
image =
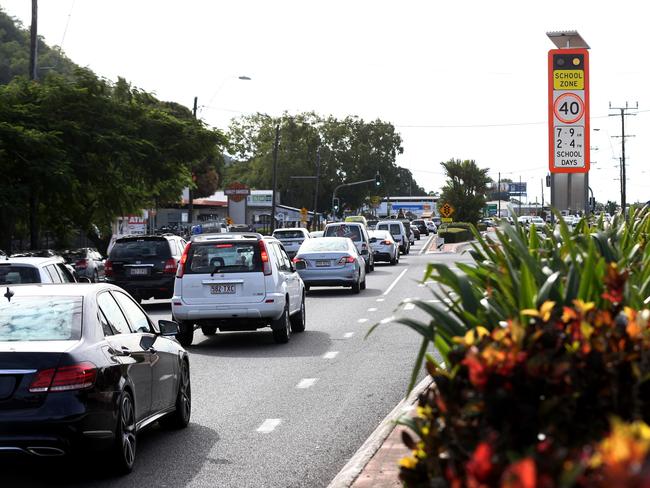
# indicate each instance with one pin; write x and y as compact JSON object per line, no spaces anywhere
{"x":372,"y":265}
{"x":125,"y":440}
{"x":282,"y":327}
{"x":208,"y":330}
{"x":394,"y":259}
{"x":299,"y":319}
{"x":185,"y":333}
{"x":180,"y":418}
{"x":356,"y":288}
{"x":363,"y":284}
{"x":95,"y":277}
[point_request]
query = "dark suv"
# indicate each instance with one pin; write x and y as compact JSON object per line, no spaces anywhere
{"x":145,"y":266}
{"x":421,"y":226}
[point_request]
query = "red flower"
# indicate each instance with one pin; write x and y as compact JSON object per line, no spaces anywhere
{"x":480,"y":466}
{"x":522,"y":474}
{"x":478,"y":374}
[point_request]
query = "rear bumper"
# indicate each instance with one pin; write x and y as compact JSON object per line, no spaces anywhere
{"x":158,"y":287}
{"x":329,"y":277}
{"x":235,"y":311}
{"x":383,"y":256}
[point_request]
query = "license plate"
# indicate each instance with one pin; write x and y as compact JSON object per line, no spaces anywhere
{"x":222,"y":289}
{"x":322,"y":264}
{"x":139,"y":271}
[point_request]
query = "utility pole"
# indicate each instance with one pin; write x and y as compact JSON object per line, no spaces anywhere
{"x":499,"y":196}
{"x":315,"y":219}
{"x":520,"y":195}
{"x":542,"y":182}
{"x":623,"y":113}
{"x":275,"y":174}
{"x":33,"y":48}
{"x":190,"y":193}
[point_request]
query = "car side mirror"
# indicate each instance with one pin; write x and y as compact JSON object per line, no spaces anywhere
{"x":168,"y":328}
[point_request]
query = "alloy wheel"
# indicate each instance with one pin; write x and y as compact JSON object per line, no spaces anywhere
{"x":185,"y":393}
{"x":127,"y":422}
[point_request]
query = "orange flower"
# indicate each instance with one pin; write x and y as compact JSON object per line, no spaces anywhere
{"x":522,"y":474}
{"x":478,"y":374}
{"x":480,"y":466}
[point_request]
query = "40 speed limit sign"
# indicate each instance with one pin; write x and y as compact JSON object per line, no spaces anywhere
{"x":568,"y":110}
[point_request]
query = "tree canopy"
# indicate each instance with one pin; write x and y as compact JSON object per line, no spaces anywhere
{"x":465,"y":189}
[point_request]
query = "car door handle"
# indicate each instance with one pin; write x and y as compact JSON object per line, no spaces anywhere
{"x":123,"y":351}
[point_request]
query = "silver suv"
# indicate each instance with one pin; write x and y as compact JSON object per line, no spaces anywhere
{"x":358,"y":233}
{"x":237,"y":282}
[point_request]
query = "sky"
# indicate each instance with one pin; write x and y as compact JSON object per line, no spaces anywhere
{"x":463,"y":79}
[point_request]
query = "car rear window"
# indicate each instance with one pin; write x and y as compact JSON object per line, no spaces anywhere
{"x":141,"y":248}
{"x":324,"y":245}
{"x":343,"y":230}
{"x":224,"y":257}
{"x":380,"y":234}
{"x":40,"y":319}
{"x":288,"y":234}
{"x":14,"y":274}
{"x":394,"y":228}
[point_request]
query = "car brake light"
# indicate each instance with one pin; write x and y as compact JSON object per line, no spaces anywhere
{"x":170,"y":266}
{"x":82,"y":263}
{"x":346,"y":260}
{"x":65,"y":378}
{"x":108,"y":268}
{"x":221,"y":246}
{"x":386,"y":243}
{"x":266,"y":262}
{"x":181,"y":264}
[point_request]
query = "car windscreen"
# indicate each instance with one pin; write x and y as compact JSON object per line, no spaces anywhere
{"x":343,"y":230}
{"x":15,"y":274}
{"x":49,"y":318}
{"x":141,"y":248}
{"x":73,"y":256}
{"x":224,"y":257}
{"x":288,"y":234}
{"x":324,"y":245}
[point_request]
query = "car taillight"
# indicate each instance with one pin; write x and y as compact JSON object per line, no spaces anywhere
{"x":170,"y":266}
{"x":181,"y":264}
{"x":386,"y":243}
{"x":108,"y":268}
{"x":82,"y":263}
{"x":65,"y":378}
{"x":346,"y":260}
{"x":266,"y":262}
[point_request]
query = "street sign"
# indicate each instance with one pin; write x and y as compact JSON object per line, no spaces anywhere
{"x":446,"y":210}
{"x":568,"y":110}
{"x":303,"y":214}
{"x":447,"y":219}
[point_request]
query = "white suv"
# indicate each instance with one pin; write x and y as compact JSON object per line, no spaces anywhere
{"x":237,"y":282}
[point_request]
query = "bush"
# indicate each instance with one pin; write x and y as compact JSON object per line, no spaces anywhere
{"x":452,"y":235}
{"x":545,"y":346}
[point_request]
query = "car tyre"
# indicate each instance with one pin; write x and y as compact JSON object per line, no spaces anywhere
{"x":363,"y":284}
{"x":185,"y":333}
{"x":124,"y":449}
{"x":282,"y":327}
{"x":95,"y":277}
{"x":208,"y":330}
{"x":299,"y":319}
{"x":372,"y":265}
{"x":356,"y":287}
{"x":180,"y":418}
{"x":394,"y":259}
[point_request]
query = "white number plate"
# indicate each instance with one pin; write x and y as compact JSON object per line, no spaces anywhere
{"x":222,"y":289}
{"x":322,"y":264}
{"x":139,"y":271}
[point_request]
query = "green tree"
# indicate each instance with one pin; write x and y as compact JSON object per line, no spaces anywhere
{"x":611,"y":207}
{"x":465,"y":189}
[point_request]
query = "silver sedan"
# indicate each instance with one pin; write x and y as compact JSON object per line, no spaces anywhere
{"x":384,"y":246}
{"x":331,"y":261}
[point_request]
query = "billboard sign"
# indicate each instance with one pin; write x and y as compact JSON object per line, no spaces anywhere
{"x":517,"y":189}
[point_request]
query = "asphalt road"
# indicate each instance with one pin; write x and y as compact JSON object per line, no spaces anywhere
{"x":268,"y":415}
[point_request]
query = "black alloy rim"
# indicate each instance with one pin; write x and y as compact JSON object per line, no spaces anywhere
{"x":185,"y":393}
{"x":128,"y":430}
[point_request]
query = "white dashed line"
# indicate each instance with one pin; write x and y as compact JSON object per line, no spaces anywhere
{"x":409,"y":306}
{"x":380,"y":299}
{"x":269,"y":425}
{"x":331,"y":355}
{"x":373,"y":309}
{"x":362,"y":321}
{"x":434,"y":301}
{"x":306,"y":383}
{"x":395,"y":282}
{"x":347,"y":335}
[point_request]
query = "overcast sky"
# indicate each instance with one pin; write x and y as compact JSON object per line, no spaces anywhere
{"x":459,"y":79}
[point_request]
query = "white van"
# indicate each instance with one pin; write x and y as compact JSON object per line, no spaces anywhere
{"x":398,"y":231}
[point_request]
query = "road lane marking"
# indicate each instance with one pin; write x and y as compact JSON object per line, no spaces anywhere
{"x":269,"y":425}
{"x":306,"y":382}
{"x":388,"y":290}
{"x":331,"y":355}
{"x":362,"y":321}
{"x":347,"y":335}
{"x":434,"y":301}
{"x":426,"y":245}
{"x":372,"y":309}
{"x":409,"y":306}
{"x":380,"y":299}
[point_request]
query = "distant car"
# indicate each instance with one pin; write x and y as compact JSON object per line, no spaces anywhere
{"x":409,"y":231}
{"x":241,"y":228}
{"x":431,"y":226}
{"x":420,"y":225}
{"x":18,"y":271}
{"x":416,"y":232}
{"x":291,"y":239}
{"x":238,"y":282}
{"x":357,"y":218}
{"x":384,"y":246}
{"x":372,"y":224}
{"x":84,"y":368}
{"x":145,"y":266}
{"x":398,"y":231}
{"x":437,"y":221}
{"x":87,"y":262}
{"x":531,"y":219}
{"x":359,"y":235}
{"x":316,"y":233}
{"x":331,"y":261}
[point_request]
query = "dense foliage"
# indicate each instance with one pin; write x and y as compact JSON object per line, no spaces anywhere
{"x":465,"y":189}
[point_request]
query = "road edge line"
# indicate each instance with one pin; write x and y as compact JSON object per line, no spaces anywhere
{"x":353,"y":468}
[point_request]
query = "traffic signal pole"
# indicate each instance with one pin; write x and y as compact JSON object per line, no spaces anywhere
{"x":376,"y":179}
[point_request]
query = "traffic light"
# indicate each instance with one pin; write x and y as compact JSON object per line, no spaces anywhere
{"x":377,"y":179}
{"x":335,"y":204}
{"x":548,"y":181}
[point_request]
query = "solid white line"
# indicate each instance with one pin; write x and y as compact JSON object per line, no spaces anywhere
{"x":331,"y":355}
{"x":392,"y":285}
{"x":362,"y":321}
{"x":306,"y":382}
{"x":373,"y":309}
{"x":426,"y":245}
{"x":409,"y":306}
{"x":269,"y":425}
{"x":347,"y":335}
{"x":434,"y":301}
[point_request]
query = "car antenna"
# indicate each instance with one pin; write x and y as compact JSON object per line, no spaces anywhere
{"x":9,"y":294}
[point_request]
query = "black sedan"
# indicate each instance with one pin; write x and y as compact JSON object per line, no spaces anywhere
{"x":83,"y":366}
